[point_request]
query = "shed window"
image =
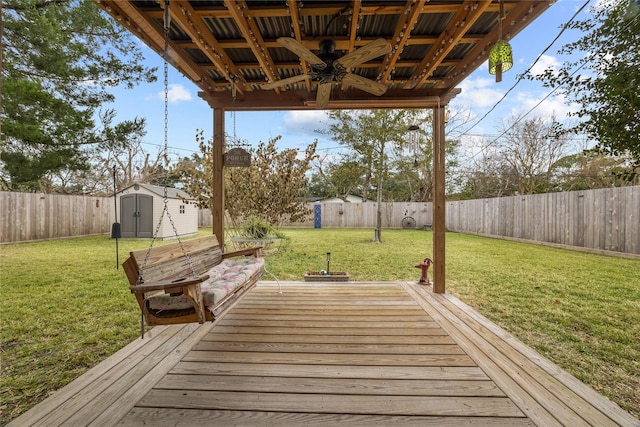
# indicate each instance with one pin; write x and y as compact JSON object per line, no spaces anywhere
{"x":181,"y":209}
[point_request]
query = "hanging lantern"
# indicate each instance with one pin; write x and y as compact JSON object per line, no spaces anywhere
{"x":500,"y":56}
{"x":500,"y":59}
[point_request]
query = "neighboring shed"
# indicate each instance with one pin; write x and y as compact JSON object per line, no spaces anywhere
{"x":350,"y":199}
{"x":141,"y":207}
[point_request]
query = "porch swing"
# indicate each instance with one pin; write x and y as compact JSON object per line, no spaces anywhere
{"x":191,"y":281}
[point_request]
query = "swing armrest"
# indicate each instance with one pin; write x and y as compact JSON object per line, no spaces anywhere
{"x":163,"y":285}
{"x":255,"y":252}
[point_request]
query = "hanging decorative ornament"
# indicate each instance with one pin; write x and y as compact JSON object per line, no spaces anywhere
{"x":414,"y":143}
{"x":500,"y":56}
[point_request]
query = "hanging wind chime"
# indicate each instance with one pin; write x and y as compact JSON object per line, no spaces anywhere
{"x":500,"y":56}
{"x":414,"y":143}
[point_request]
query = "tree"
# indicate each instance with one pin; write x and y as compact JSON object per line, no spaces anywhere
{"x":269,"y":189}
{"x":397,"y":160}
{"x":604,"y":80}
{"x":337,"y":178}
{"x":531,"y":149}
{"x":524,"y":160}
{"x":592,"y":169}
{"x":55,"y":77}
{"x":369,"y":134}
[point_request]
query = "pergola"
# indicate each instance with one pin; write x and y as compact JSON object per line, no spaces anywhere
{"x":230,"y":50}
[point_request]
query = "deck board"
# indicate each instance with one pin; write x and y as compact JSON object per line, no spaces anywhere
{"x":327,"y":354}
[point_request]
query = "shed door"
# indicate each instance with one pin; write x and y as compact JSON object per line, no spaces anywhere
{"x":136,"y":215}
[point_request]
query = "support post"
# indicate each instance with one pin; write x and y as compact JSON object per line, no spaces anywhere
{"x":217,"y":180}
{"x":438,"y":200}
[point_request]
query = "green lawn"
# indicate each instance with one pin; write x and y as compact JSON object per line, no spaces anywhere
{"x":65,"y":307}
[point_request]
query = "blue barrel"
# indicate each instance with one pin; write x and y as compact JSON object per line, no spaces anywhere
{"x":317,"y":216}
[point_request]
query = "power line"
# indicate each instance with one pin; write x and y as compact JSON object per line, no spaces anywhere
{"x":521,"y":76}
{"x":543,"y":99}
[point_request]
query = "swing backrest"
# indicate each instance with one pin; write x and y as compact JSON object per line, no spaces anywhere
{"x":169,"y":261}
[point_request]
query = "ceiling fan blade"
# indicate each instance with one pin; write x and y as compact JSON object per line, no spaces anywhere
{"x":284,"y":82}
{"x":322,"y":97}
{"x":365,"y":84}
{"x":296,"y":47}
{"x":365,"y":53}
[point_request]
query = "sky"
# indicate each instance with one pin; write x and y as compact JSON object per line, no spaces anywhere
{"x":480,"y":93}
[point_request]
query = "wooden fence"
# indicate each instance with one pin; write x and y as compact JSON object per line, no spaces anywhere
{"x":37,"y":216}
{"x":605,"y":219}
{"x":356,"y":215}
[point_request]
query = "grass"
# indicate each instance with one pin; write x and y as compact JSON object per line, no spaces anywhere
{"x":65,"y":307}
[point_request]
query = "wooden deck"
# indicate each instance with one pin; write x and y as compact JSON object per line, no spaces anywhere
{"x":330,"y":354}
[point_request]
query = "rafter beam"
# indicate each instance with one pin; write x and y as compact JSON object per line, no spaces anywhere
{"x":242,"y":16}
{"x":401,"y":35}
{"x":192,"y":25}
{"x":356,"y":13}
{"x":292,"y":8}
{"x":463,"y":19}
{"x":518,"y":16}
{"x":152,"y":34}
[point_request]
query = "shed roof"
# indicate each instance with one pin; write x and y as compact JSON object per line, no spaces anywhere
{"x":172,"y":193}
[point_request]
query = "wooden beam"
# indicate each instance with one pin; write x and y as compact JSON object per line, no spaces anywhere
{"x":439,"y":201}
{"x":242,"y":16}
{"x":464,"y":19}
{"x":217,"y":180}
{"x":292,"y":8}
{"x":261,"y":100}
{"x":401,"y":36}
{"x":191,"y":24}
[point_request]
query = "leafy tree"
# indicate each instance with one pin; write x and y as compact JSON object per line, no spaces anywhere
{"x":196,"y":173}
{"x":337,"y":178}
{"x":604,"y":80}
{"x":371,"y":135}
{"x":60,"y":58}
{"x":592,"y":169}
{"x":269,"y":189}
{"x":397,"y":160}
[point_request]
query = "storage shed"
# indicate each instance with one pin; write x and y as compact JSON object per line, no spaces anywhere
{"x":140,"y":210}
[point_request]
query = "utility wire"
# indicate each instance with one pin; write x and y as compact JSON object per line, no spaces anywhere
{"x":541,"y":101}
{"x":521,"y":76}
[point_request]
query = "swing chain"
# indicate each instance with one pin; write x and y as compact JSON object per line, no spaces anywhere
{"x":165,"y":56}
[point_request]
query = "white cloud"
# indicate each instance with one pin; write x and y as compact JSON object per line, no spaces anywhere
{"x":478,"y":93}
{"x":305,"y":122}
{"x":545,"y":62}
{"x":176,"y":93}
{"x":553,"y":105}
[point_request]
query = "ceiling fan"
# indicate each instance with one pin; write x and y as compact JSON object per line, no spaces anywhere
{"x":327,"y":67}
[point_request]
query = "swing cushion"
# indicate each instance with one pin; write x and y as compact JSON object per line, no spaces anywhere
{"x":223,"y":279}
